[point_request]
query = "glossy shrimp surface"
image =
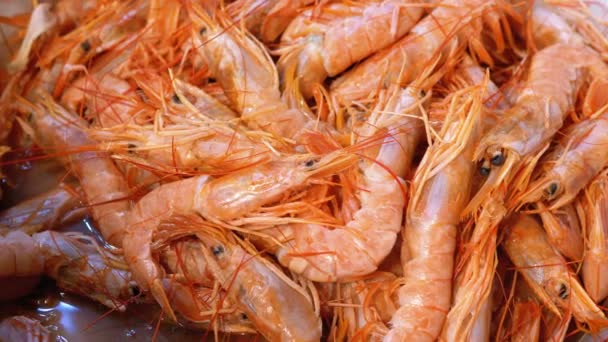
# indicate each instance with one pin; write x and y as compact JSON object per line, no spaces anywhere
{"x":547,"y":272}
{"x":328,"y":42}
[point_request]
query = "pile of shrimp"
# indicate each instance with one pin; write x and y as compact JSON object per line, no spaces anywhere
{"x":306,"y":170}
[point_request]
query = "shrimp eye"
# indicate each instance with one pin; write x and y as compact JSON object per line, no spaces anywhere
{"x":498,"y":159}
{"x":563,"y":291}
{"x":484,"y":170}
{"x":85,"y":46}
{"x":176,"y":99}
{"x":130,"y":147}
{"x":217,"y":250}
{"x":202,"y":31}
{"x":244,"y":316}
{"x":310,"y":163}
{"x":135,"y":291}
{"x":551,"y":189}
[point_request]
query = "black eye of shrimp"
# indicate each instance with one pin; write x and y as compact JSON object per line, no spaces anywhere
{"x":217,"y":250}
{"x":176,"y":99}
{"x":484,"y":170}
{"x":310,"y":163}
{"x":551,"y":190}
{"x":85,"y":46}
{"x":244,"y":316}
{"x":498,"y":159}
{"x":202,"y":31}
{"x":563,"y":291}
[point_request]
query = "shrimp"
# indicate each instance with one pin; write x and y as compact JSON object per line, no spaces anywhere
{"x":48,"y":210}
{"x":547,"y":273}
{"x":550,"y":28}
{"x":563,"y":230}
{"x":430,"y":231}
{"x":256,"y":285}
{"x":526,"y":320}
{"x":578,"y":157}
{"x":24,"y":329}
{"x":103,"y":184}
{"x":214,"y":147}
{"x":358,"y":247}
{"x":594,"y":203}
{"x":246,"y":73}
{"x":435,"y":35}
{"x":267,"y":19}
{"x":555,"y":77}
{"x":328,"y":47}
{"x":555,"y":328}
{"x":224,"y":198}
{"x":74,"y":260}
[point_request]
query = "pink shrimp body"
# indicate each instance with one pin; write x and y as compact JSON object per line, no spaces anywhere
{"x":435,"y":35}
{"x":353,"y":31}
{"x":104,"y":185}
{"x":357,"y":248}
{"x":563,"y":230}
{"x":595,"y":263}
{"x":45,"y":211}
{"x":24,"y":329}
{"x":547,"y":272}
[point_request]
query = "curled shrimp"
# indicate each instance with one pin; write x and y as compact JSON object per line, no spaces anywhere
{"x":74,"y":261}
{"x":48,"y":210}
{"x":256,"y":285}
{"x":435,"y":35}
{"x":24,"y":329}
{"x":246,"y":73}
{"x":103,"y":184}
{"x":327,"y":46}
{"x":392,"y":133}
{"x":225,"y":198}
{"x":594,"y":203}
{"x":547,"y":273}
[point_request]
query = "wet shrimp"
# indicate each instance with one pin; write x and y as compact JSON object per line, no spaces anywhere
{"x":563,"y":230}
{"x":357,"y":248}
{"x":73,"y":260}
{"x":441,"y":190}
{"x":225,"y":198}
{"x":24,"y":329}
{"x":594,"y":203}
{"x":247,"y":74}
{"x":103,"y":184}
{"x":437,"y":34}
{"x":48,"y":210}
{"x":256,"y":285}
{"x":330,"y":41}
{"x":547,"y":273}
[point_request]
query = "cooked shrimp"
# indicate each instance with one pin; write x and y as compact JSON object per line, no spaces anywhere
{"x":103,"y":184}
{"x":224,"y":198}
{"x":555,"y":77}
{"x":549,"y":28}
{"x":435,"y":35}
{"x":328,"y":46}
{"x":214,"y":148}
{"x":246,"y":73}
{"x":19,"y":256}
{"x":266,"y":19}
{"x":358,"y":247}
{"x":525,"y":322}
{"x":257,"y":285}
{"x":554,"y":327}
{"x":594,"y":203}
{"x":48,"y":210}
{"x":580,"y":155}
{"x":547,"y":273}
{"x":74,"y":260}
{"x":441,"y":190}
{"x":563,"y":230}
{"x":79,"y":265}
{"x":24,"y":329}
